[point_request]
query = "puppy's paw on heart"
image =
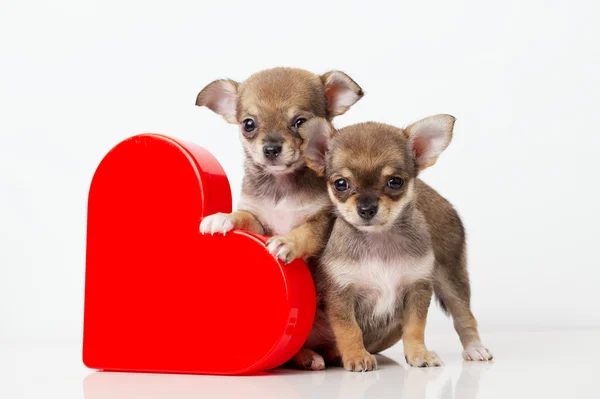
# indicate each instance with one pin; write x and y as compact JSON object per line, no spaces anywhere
{"x":477,"y":353}
{"x":424,"y":359}
{"x":219,"y":223}
{"x":282,"y":248}
{"x":362,"y":362}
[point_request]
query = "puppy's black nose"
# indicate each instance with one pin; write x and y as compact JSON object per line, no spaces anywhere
{"x":367,"y":210}
{"x":272,"y":151}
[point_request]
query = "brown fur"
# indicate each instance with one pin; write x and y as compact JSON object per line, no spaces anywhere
{"x":305,"y":240}
{"x":414,"y":320}
{"x":246,"y":221}
{"x":347,"y":332}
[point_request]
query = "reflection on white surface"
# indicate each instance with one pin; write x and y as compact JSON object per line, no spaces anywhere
{"x":549,"y":365}
{"x":392,"y":380}
{"x":467,"y":386}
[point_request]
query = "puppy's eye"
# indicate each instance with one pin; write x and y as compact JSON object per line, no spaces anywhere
{"x":249,"y":125}
{"x":395,"y":183}
{"x":340,"y":185}
{"x":299,"y":122}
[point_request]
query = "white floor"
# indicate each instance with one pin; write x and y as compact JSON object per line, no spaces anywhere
{"x":558,"y":364}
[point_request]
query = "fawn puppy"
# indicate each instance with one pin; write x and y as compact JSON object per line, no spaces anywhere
{"x":279,"y":192}
{"x":395,"y":241}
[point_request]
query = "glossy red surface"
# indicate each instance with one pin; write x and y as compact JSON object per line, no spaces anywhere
{"x":161,"y":297}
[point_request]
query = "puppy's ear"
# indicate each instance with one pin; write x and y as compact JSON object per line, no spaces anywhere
{"x":221,"y":97}
{"x":316,"y":133}
{"x":341,"y":92}
{"x":429,"y":137}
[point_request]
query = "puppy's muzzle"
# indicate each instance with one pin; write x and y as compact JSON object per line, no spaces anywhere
{"x":272,"y":151}
{"x":367,"y":207}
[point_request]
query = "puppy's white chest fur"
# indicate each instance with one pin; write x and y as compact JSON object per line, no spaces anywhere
{"x":283,"y":216}
{"x":378,"y":283}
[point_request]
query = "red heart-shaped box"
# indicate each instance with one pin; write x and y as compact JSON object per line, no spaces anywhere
{"x":161,"y":297}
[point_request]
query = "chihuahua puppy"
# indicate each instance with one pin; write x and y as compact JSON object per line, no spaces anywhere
{"x":280,"y":194}
{"x":395,"y":242}
{"x":279,"y":191}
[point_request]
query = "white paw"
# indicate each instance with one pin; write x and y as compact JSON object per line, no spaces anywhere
{"x":282,"y":248}
{"x":309,"y":360}
{"x":218,"y":223}
{"x":477,"y":353}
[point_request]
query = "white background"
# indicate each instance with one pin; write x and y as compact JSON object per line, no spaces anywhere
{"x":76,"y":77}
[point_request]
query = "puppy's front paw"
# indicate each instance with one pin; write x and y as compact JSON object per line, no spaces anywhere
{"x":424,"y":359}
{"x":282,"y":248}
{"x":217,"y":223}
{"x":477,"y":353}
{"x":362,"y":362}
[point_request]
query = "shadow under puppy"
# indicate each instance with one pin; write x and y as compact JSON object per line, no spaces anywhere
{"x":394,"y":242}
{"x":279,"y":193}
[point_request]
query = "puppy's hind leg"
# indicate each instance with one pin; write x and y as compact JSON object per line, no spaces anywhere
{"x":308,"y":359}
{"x":453,"y":291}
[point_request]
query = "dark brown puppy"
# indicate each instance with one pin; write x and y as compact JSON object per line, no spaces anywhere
{"x":395,"y":241}
{"x":279,"y":191}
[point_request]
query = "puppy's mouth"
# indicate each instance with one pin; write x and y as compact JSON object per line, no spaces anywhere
{"x":374,"y":225}
{"x":372,"y":228}
{"x":281,"y":167}
{"x":277,"y":168}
